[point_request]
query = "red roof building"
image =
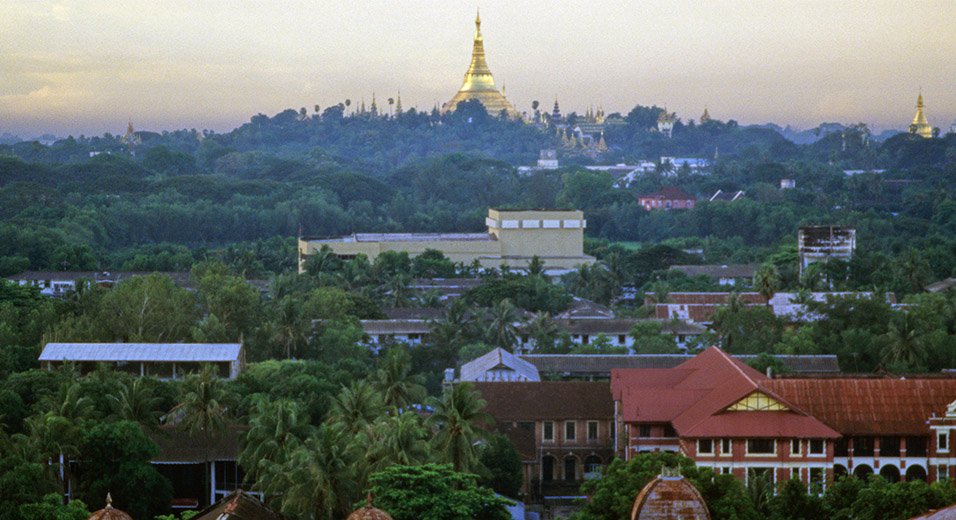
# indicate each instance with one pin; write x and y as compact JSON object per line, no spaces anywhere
{"x":668,"y":197}
{"x":723,"y":414}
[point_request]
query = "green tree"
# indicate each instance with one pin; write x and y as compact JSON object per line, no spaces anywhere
{"x":501,"y":466}
{"x":121,"y":452}
{"x":276,"y":429}
{"x":51,"y":508}
{"x":356,"y":406}
{"x":136,"y":402}
{"x":318,"y":479}
{"x":649,"y":338}
{"x":458,"y":419}
{"x":395,"y":382}
{"x":433,"y":492}
{"x":148,"y":309}
{"x":503,"y":327}
{"x":767,"y":281}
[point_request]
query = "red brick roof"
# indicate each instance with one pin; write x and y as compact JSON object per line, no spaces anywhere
{"x":547,"y":400}
{"x":694,"y":396}
{"x":870,"y":406}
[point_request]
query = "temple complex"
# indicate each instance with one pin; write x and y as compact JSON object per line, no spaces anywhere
{"x":920,"y":126}
{"x":479,"y":83}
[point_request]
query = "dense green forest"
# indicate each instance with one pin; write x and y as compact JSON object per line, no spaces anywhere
{"x":228,"y":207}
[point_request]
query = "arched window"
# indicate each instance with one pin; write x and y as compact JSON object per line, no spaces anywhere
{"x":915,"y":472}
{"x":547,"y":468}
{"x":570,"y":468}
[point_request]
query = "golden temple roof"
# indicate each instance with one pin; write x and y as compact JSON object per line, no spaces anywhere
{"x":479,"y":83}
{"x":920,"y":126}
{"x":109,"y":512}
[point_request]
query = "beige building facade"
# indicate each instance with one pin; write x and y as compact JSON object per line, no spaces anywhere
{"x":512,"y":239}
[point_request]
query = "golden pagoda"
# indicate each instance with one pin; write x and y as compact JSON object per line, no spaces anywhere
{"x":705,"y":117}
{"x":920,"y":126}
{"x":479,"y":83}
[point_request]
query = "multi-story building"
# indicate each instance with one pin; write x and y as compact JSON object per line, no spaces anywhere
{"x":513,"y":238}
{"x":667,"y":198}
{"x":563,"y":430}
{"x":728,"y":416}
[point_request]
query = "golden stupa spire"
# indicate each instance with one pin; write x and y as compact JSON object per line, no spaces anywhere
{"x":479,"y":83}
{"x":398,"y":104}
{"x":920,"y":126}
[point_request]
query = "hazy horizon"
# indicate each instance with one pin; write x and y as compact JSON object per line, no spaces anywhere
{"x":72,"y":68}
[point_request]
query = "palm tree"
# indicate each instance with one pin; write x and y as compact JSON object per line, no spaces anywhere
{"x":203,"y":408}
{"x":458,"y":417}
{"x":398,"y":439}
{"x":135,"y":402}
{"x":398,"y":291}
{"x":767,"y":281}
{"x":276,"y":429}
{"x":905,"y":342}
{"x":543,"y":330}
{"x":318,"y":479}
{"x":356,"y":406}
{"x":451,"y":331}
{"x":503,"y":330}
{"x":395,"y":382}
{"x":292,"y":327}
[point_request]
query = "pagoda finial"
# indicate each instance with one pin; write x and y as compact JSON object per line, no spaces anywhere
{"x":109,"y":501}
{"x":368,"y":499}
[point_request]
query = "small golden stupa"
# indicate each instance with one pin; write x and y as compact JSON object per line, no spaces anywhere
{"x":479,"y":83}
{"x":109,"y":512}
{"x":920,"y":126}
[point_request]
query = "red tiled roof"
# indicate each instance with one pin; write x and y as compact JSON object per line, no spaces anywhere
{"x":534,"y":401}
{"x":870,"y":406}
{"x":709,"y":298}
{"x":693,"y":398}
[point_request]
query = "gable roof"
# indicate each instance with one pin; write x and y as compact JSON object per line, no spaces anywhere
{"x":186,"y":352}
{"x":498,"y":359}
{"x":545,"y":400}
{"x":695,"y":396}
{"x":238,"y":505}
{"x":870,"y":406}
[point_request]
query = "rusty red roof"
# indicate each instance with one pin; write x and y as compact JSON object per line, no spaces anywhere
{"x":869,"y":406}
{"x":694,"y":396}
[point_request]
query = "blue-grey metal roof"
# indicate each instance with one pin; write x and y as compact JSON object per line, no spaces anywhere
{"x":158,"y":352}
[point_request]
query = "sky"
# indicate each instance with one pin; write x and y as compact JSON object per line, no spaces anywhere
{"x":87,"y":67}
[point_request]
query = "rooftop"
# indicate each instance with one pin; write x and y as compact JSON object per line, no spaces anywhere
{"x":186,"y":352}
{"x":547,"y":400}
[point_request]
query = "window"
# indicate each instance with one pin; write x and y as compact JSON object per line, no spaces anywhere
{"x":817,"y":446}
{"x":941,"y":443}
{"x":816,"y":480}
{"x":548,"y":433}
{"x":570,"y":431}
{"x":547,"y":468}
{"x":795,"y":473}
{"x":669,"y":431}
{"x":863,"y":446}
{"x":841,"y":448}
{"x":726,"y":471}
{"x":760,"y":446}
{"x":795,"y":447}
{"x":916,"y":446}
{"x":592,"y":430}
{"x":592,"y":464}
{"x":889,"y":446}
{"x":705,"y":446}
{"x":942,"y":472}
{"x":621,"y":339}
{"x":570,"y":468}
{"x":725,"y":447}
{"x":645,"y":430}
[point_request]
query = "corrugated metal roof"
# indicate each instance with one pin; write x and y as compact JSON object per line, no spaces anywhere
{"x":188,"y":352}
{"x":870,"y":406}
{"x":498,"y":358}
{"x":396,"y":326}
